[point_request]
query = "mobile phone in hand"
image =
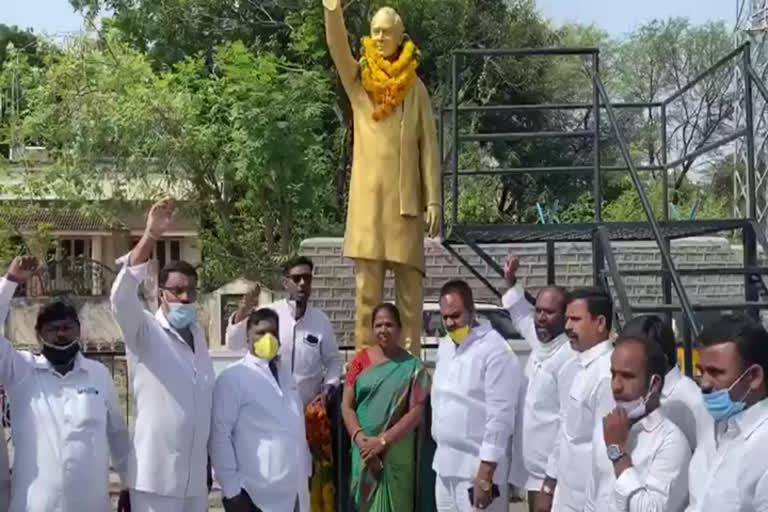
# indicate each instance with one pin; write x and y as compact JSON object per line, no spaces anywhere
{"x":494,"y":493}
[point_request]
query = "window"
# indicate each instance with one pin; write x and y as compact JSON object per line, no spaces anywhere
{"x":165,"y":251}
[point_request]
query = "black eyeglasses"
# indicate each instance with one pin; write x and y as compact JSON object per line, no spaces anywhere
{"x":179,"y":291}
{"x":296,"y":278}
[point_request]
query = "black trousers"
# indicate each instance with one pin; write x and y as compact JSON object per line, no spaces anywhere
{"x":243,"y":503}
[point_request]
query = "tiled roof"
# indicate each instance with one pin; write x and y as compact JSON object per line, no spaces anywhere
{"x":26,"y":218}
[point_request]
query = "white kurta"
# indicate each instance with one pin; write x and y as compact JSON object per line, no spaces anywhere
{"x":173,"y":390}
{"x":258,"y":442}
{"x":475,"y":391}
{"x":683,"y":404}
{"x":64,"y":430}
{"x":729,"y":473}
{"x":590,"y":398}
{"x":308,"y":348}
{"x":549,"y":379}
{"x":658,"y":478}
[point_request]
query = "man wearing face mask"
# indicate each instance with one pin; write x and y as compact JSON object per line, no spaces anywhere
{"x":308,"y":348}
{"x":171,"y":377}
{"x":588,"y":326}
{"x":476,"y":388}
{"x":258,"y":442}
{"x":67,"y":419}
{"x":549,"y":372}
{"x":681,"y":400}
{"x":639,"y":457}
{"x":728,"y":468}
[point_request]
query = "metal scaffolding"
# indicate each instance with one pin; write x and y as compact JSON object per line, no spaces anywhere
{"x":752,"y":28}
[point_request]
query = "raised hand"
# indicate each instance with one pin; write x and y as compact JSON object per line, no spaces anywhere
{"x":511,"y":265}
{"x":248,"y":301}
{"x":161,"y":216}
{"x":22,"y":268}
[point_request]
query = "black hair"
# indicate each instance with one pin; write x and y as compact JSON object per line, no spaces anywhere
{"x":391,"y":309}
{"x":564,"y":294}
{"x":598,"y":303}
{"x":295,"y":262}
{"x":751,"y":339}
{"x":462,"y":289}
{"x":54,"y":312}
{"x":176,"y":266}
{"x":262,"y":314}
{"x":655,"y":330}
{"x":655,"y":359}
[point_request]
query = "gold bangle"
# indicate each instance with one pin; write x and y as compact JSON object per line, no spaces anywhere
{"x":383,"y":441}
{"x":355,"y":434}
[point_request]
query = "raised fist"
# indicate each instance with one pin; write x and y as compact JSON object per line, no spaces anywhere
{"x":22,"y":268}
{"x":511,"y":265}
{"x":161,"y":216}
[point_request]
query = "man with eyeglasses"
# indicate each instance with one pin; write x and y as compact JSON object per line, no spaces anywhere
{"x":308,"y":348}
{"x":172,"y":379}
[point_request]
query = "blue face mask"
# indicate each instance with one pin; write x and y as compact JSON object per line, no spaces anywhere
{"x":720,"y":404}
{"x":181,"y":315}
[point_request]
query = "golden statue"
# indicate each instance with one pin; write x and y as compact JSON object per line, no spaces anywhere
{"x":395,"y":168}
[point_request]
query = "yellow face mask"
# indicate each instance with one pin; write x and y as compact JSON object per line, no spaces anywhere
{"x":459,"y":335}
{"x":266,"y":347}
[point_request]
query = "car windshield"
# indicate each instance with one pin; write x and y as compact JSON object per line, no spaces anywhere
{"x":498,"y":318}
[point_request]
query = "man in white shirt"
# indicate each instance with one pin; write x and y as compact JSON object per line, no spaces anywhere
{"x":729,"y":469}
{"x":639,"y":457}
{"x":548,"y":373}
{"x":258,"y":443}
{"x":475,"y":391}
{"x":66,"y":415}
{"x":171,"y":377}
{"x":681,"y":399}
{"x":308,"y":348}
{"x":588,"y":326}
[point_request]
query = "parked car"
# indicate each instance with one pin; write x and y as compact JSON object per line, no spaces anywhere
{"x":497,"y":316}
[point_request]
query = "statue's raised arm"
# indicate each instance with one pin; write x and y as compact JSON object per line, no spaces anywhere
{"x":338,"y":42}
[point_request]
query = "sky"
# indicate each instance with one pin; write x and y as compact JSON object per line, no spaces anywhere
{"x":55,"y":17}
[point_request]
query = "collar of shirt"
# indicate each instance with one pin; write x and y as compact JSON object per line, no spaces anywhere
{"x":41,"y":363}
{"x":650,"y":421}
{"x":671,"y":379}
{"x":746,"y":422}
{"x":547,"y":350}
{"x":588,"y":356}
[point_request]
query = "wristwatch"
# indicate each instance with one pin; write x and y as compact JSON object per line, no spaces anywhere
{"x":547,"y":489}
{"x":615,"y":452}
{"x":485,"y":485}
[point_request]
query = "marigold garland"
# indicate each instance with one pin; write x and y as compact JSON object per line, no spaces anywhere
{"x":318,"y":429}
{"x":388,"y":81}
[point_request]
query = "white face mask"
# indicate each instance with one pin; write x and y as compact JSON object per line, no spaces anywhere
{"x":637,"y":408}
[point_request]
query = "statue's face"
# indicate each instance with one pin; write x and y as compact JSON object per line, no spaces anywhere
{"x":387,"y":31}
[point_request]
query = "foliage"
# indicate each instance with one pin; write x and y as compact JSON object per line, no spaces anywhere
{"x":244,"y":145}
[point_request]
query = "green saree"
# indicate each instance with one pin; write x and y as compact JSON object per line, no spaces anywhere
{"x":383,"y":395}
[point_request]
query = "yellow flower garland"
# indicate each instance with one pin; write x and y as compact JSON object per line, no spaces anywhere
{"x":388,"y":82}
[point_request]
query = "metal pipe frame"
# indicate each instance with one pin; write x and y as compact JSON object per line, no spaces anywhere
{"x":472,"y":269}
{"x":709,"y":147}
{"x":503,"y":171}
{"x":489,"y":137}
{"x":666,"y":284}
{"x":613,"y":270}
{"x":597,"y":192}
{"x":550,"y":106}
{"x":523,"y":52}
{"x":758,"y":82}
{"x":455,"y":138}
{"x":704,"y":74}
{"x":703,"y":271}
{"x":665,"y":254}
{"x":659,"y":308}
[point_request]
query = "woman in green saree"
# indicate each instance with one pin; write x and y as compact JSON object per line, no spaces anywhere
{"x":385,"y":391}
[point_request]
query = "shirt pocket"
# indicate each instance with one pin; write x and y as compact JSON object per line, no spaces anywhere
{"x":89,"y":409}
{"x":308,"y":355}
{"x":579,"y":421}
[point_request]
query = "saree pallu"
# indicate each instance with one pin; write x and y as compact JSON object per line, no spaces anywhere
{"x":383,"y":395}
